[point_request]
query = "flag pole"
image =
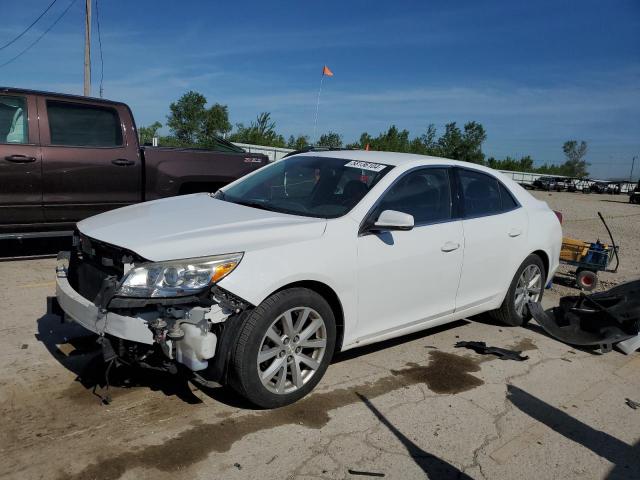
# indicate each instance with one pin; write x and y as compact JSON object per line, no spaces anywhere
{"x":315,"y":123}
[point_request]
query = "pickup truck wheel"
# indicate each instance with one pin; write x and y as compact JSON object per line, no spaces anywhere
{"x":284,"y":348}
{"x":527,"y":286}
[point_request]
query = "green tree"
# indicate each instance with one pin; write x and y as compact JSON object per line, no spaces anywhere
{"x":214,"y":123}
{"x":429,"y":141}
{"x":298,"y":143}
{"x":147,"y":133}
{"x":331,"y":140}
{"x":459,"y":145}
{"x":260,"y":132}
{"x":193,"y":124}
{"x":186,"y":117}
{"x":575,"y":152}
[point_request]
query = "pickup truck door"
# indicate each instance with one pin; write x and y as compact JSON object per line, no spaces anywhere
{"x":20,"y":161}
{"x":91,"y":161}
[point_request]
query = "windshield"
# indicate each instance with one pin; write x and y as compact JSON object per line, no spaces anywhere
{"x":310,"y":186}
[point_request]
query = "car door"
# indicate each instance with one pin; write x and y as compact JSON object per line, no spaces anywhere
{"x":89,"y":163}
{"x":495,"y":231}
{"x":407,"y":278}
{"x":20,"y":161}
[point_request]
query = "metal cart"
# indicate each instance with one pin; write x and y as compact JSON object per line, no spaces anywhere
{"x":589,"y":258}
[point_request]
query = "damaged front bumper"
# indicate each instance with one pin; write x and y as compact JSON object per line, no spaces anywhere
{"x":186,"y":334}
{"x":93,"y":318}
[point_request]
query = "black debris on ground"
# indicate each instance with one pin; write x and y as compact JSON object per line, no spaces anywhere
{"x":366,"y":474}
{"x":502,"y":353}
{"x":632,"y":404}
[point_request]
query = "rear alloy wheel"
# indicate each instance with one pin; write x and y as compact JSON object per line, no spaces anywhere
{"x":526,"y":286}
{"x":284,"y":348}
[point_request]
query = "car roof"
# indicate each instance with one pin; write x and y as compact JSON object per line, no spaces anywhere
{"x":388,"y":158}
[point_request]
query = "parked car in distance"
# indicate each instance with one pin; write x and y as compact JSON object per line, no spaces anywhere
{"x":551,"y":183}
{"x":64,"y":158}
{"x":634,"y":195}
{"x":599,"y":187}
{"x":259,"y":284}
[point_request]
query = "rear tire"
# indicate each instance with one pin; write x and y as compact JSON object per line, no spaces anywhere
{"x":284,"y":348}
{"x":513,"y":310}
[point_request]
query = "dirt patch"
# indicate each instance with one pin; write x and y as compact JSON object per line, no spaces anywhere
{"x":445,"y":373}
{"x":524,"y":345}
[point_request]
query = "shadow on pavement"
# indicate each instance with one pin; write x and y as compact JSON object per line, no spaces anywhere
{"x":626,"y":458}
{"x":30,"y":247}
{"x":434,"y":467}
{"x":375,"y":347}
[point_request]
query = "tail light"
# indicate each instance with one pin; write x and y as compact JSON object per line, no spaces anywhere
{"x":559,"y":215}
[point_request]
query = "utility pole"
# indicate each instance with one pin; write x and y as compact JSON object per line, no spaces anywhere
{"x":87,"y":48}
{"x":633,"y":162}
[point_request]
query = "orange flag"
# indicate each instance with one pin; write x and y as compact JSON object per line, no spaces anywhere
{"x":327,"y":72}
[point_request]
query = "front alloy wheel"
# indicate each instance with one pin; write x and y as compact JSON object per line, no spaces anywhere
{"x":283,"y":348}
{"x":292,"y":350}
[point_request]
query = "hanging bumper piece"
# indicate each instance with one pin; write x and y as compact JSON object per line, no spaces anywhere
{"x":602,"y":319}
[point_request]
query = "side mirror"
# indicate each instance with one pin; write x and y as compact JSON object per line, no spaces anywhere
{"x":393,"y":220}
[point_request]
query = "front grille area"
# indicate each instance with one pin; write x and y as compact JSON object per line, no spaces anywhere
{"x":92,"y":261}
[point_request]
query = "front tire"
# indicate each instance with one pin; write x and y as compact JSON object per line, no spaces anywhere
{"x":284,"y":348}
{"x":527,"y":285}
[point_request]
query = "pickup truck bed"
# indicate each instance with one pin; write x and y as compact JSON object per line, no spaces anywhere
{"x":64,"y":158}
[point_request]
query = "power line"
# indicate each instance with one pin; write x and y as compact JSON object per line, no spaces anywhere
{"x":40,"y":37}
{"x":100,"y":46}
{"x":29,"y":27}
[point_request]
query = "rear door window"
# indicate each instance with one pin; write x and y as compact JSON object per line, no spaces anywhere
{"x":480,"y":193}
{"x":80,"y":125}
{"x":14,"y":126}
{"x":508,"y":202}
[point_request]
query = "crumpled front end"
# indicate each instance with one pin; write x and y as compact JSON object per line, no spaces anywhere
{"x":152,"y":332}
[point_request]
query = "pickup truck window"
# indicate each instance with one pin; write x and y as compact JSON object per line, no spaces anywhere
{"x":78,"y":125}
{"x":308,"y":186}
{"x":13,"y":120}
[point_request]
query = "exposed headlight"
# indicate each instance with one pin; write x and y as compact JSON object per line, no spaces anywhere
{"x":177,"y":278}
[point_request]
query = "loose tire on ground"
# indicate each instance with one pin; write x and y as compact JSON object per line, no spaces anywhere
{"x":507,"y":313}
{"x":586,"y":279}
{"x":264,"y":331}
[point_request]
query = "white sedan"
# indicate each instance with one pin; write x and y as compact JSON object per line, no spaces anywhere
{"x":258,"y":285}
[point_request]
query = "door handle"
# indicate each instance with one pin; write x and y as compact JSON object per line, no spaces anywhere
{"x":514,"y":232}
{"x":450,"y":247}
{"x":122,"y":162}
{"x":19,"y":159}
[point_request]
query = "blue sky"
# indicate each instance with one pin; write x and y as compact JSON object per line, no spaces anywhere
{"x":533,"y":73}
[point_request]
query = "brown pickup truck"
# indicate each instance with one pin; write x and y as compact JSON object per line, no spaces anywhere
{"x":64,"y":158}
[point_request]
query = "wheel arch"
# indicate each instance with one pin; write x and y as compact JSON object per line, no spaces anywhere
{"x":329,"y":294}
{"x":545,"y":260}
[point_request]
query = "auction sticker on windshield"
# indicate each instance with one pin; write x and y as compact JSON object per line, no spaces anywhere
{"x":374,"y":167}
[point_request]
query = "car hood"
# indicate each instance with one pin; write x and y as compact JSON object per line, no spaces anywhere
{"x":197,"y":226}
